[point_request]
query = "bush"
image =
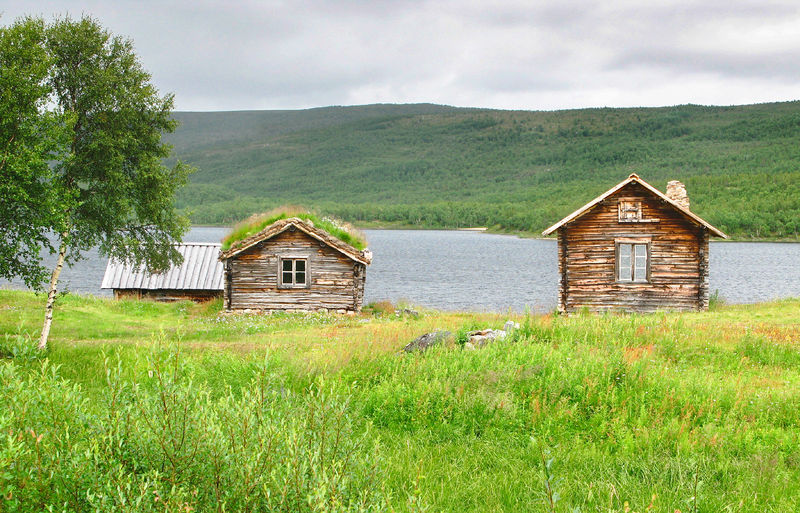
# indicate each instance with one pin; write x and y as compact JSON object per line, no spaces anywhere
{"x":19,"y":346}
{"x":163,"y":442}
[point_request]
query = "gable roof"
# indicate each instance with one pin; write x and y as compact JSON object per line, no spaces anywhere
{"x":307,"y":227}
{"x":634,"y":178}
{"x":200,"y":270}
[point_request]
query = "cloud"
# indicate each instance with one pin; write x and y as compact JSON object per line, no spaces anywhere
{"x":506,"y":54}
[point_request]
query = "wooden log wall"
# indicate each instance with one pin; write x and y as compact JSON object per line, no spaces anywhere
{"x":678,"y":260}
{"x":337,"y":282}
{"x":167,"y":295}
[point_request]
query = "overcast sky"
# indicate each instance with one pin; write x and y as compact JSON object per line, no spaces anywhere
{"x":532,"y":55}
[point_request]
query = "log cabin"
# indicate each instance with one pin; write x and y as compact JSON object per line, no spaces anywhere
{"x":635,"y":249}
{"x":291,"y":265}
{"x":198,"y":278}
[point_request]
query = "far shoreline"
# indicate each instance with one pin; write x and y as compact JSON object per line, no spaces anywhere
{"x":375,"y":225}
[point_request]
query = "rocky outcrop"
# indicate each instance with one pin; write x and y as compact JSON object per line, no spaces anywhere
{"x":479,"y":338}
{"x":423,"y":342}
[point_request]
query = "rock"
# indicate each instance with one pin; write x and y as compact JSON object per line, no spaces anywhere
{"x":423,"y":342}
{"x":468,"y":346}
{"x":482,"y":337}
{"x":407,"y":311}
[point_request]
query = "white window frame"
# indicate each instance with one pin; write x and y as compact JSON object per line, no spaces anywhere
{"x":629,"y":206}
{"x":631,"y":261}
{"x":292,"y":284}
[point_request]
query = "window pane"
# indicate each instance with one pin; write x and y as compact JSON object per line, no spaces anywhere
{"x":640,"y":272}
{"x":300,"y":265}
{"x":287,"y":278}
{"x":287,"y":265}
{"x":300,"y":278}
{"x":640,"y":262}
{"x":624,"y":262}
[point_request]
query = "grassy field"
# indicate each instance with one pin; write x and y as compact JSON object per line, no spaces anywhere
{"x":141,"y":406}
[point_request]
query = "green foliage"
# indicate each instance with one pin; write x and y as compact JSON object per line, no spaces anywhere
{"x":164,"y":442}
{"x":437,"y":167}
{"x":19,"y":346}
{"x":257,"y":223}
{"x":83,"y":162}
{"x":31,"y":138}
{"x":82,"y":152}
{"x":121,"y":194}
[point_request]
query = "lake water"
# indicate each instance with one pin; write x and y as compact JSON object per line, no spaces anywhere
{"x":462,"y":270}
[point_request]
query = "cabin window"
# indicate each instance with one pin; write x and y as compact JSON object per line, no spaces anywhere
{"x":294,"y":272}
{"x":633,"y":262}
{"x":630,"y":211}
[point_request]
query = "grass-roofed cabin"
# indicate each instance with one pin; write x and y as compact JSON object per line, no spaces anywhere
{"x":634,"y":248}
{"x":293,"y":265}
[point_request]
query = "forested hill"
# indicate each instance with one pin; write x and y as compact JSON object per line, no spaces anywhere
{"x":438,"y":166}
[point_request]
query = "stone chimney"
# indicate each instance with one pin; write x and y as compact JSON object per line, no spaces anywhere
{"x":676,"y":191}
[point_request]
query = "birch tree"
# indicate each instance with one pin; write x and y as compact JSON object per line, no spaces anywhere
{"x":108,"y":179}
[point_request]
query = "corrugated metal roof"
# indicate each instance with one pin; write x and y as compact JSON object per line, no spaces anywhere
{"x":201,"y":270}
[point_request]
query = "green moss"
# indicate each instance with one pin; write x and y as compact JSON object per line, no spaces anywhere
{"x":257,"y":223}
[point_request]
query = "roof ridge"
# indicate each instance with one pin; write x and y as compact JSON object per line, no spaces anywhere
{"x":633,"y":177}
{"x":306,"y":226}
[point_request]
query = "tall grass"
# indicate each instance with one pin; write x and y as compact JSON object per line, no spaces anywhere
{"x":165,"y":442}
{"x":656,"y":413}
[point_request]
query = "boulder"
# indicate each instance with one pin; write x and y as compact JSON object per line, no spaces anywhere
{"x":482,"y":337}
{"x":423,"y":342}
{"x":407,"y":311}
{"x":479,"y":338}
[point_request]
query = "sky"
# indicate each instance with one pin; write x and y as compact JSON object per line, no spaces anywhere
{"x":506,"y":54}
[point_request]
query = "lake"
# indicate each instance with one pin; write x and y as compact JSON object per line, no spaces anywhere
{"x":463,"y":270}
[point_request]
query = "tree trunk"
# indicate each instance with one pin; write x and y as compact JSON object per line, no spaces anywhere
{"x":51,"y":294}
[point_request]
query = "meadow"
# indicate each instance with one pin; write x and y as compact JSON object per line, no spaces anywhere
{"x":142,"y":406}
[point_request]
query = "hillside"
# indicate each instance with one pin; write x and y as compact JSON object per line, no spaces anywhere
{"x":437,"y":166}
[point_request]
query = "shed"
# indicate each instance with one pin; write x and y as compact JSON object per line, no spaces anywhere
{"x":291,"y":265}
{"x":634,"y":248}
{"x":198,"y":278}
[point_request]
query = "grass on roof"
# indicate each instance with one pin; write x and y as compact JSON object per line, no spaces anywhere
{"x":258,"y":222}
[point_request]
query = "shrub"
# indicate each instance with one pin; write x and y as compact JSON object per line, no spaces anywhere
{"x":164,"y":442}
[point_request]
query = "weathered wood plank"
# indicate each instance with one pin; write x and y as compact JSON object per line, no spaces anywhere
{"x":678,"y":258}
{"x":333,"y":285}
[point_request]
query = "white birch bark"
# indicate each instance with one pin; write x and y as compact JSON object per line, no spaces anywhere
{"x":51,"y":294}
